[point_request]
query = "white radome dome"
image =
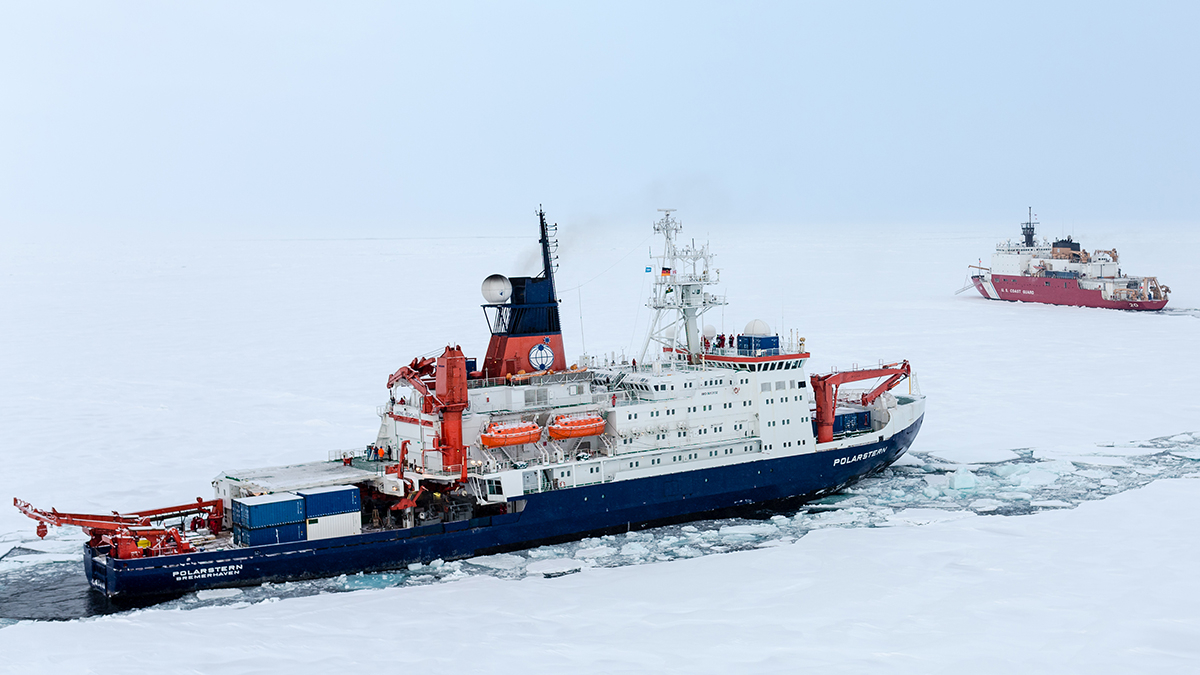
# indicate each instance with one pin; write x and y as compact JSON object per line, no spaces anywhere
{"x":497,"y":289}
{"x":710,"y":331}
{"x":757,"y":327}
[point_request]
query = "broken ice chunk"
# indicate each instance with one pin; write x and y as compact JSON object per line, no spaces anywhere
{"x":501,"y":561}
{"x":595,"y":552}
{"x":985,"y":505}
{"x":962,"y":479}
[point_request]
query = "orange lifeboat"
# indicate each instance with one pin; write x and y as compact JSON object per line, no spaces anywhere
{"x":576,"y":426}
{"x":499,"y":434}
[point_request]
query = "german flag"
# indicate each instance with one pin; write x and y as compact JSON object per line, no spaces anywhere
{"x":666,"y":271}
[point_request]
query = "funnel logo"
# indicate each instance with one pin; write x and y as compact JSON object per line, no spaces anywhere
{"x":541,"y":356}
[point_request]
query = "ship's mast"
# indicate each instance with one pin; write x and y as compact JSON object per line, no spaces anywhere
{"x":678,"y":298}
{"x":1027,"y":228}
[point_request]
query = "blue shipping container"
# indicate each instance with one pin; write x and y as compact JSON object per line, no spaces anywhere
{"x":263,"y":536}
{"x":851,"y":422}
{"x":330,"y":501}
{"x":283,"y":508}
{"x":757,"y":342}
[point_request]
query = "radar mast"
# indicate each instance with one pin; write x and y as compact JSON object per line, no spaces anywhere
{"x":1027,"y":228}
{"x":678,"y":298}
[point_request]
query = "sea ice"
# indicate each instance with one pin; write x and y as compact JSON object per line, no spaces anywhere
{"x":924,"y":516}
{"x":595,"y":552}
{"x":962,"y":479}
{"x":839,"y":517}
{"x":1011,"y":495}
{"x":554,"y":566}
{"x":1093,"y":460}
{"x":985,"y":505}
{"x":217,"y":593}
{"x":635,"y":549}
{"x":41,"y":559}
{"x":758,"y":530}
{"x":500,"y":561}
{"x":974,"y":455}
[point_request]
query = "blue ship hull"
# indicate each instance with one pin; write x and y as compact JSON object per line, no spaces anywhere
{"x":557,"y":515}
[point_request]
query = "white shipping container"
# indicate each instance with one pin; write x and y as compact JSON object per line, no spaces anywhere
{"x":339,"y":525}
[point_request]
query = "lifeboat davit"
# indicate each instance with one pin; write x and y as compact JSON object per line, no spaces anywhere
{"x":576,"y":426}
{"x":499,"y":434}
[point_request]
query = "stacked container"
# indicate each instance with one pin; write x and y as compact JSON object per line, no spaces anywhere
{"x":757,"y":342}
{"x":268,"y":519}
{"x":849,"y":420}
{"x":332,"y":511}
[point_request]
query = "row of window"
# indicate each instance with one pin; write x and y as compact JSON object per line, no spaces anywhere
{"x":633,"y":464}
{"x":783,"y":384}
{"x":761,"y":367}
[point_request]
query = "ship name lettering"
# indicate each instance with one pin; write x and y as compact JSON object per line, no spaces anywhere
{"x":858,"y":458}
{"x":207,"y":572}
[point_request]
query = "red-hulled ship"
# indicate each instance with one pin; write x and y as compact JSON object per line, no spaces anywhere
{"x":1062,"y":273}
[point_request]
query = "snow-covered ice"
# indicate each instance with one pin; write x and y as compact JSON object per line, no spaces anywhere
{"x":145,"y":368}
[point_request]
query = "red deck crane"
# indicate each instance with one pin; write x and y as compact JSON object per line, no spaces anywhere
{"x":825,"y":390}
{"x":133,"y":535}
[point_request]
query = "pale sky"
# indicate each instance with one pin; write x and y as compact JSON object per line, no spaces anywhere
{"x":385,"y":118}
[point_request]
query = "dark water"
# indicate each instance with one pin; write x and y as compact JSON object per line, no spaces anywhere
{"x":58,"y":591}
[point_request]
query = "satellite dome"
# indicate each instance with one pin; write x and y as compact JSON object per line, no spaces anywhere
{"x":497,"y":289}
{"x":670,"y":332}
{"x":710,"y":331}
{"x":757,"y":327}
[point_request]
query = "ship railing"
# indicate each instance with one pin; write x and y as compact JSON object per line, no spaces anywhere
{"x":548,"y":378}
{"x":851,"y":395}
{"x":342,"y":455}
{"x":667,"y":367}
{"x":613,"y":398}
{"x":676,"y":277}
{"x":486,"y":382}
{"x":733,"y":351}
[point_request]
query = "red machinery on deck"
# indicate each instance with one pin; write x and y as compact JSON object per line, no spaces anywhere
{"x":825,"y":390}
{"x":134,"y":535}
{"x":448,"y":398}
